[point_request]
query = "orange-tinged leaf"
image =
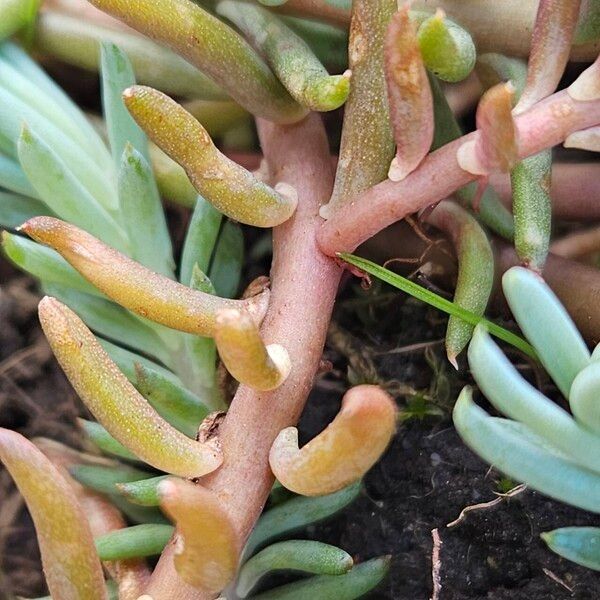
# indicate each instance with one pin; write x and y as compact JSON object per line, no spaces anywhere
{"x":207,"y":546}
{"x":69,"y":557}
{"x":341,"y":454}
{"x":409,"y":95}
{"x":103,"y":516}
{"x":229,"y":187}
{"x":245,"y":355}
{"x":496,"y":148}
{"x":132,"y":285}
{"x":115,"y":403}
{"x":550,"y":47}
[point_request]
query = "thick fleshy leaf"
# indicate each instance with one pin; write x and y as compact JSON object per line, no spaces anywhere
{"x":143,"y":492}
{"x":117,"y":75}
{"x":134,"y":287}
{"x":511,"y":394}
{"x":104,"y":478}
{"x":229,"y":187}
{"x":76,"y":42}
{"x":496,"y":148}
{"x":226,"y":267}
{"x":15,"y":209}
{"x":14,"y":179}
{"x":491,"y":210}
{"x":550,"y":47}
{"x":104,"y":441}
{"x":447,"y":49}
{"x":366,"y":114}
{"x":547,"y":325}
{"x":116,"y":404}
{"x":217,"y":50}
{"x":164,"y":391}
{"x":586,"y":139}
{"x":245,"y":355}
{"x":475,"y":270}
{"x":207,"y":546}
{"x":293,"y":555}
{"x":409,"y":95}
{"x":342,"y":453}
{"x":16,"y":14}
{"x":354,"y":584}
{"x":583,"y":397}
{"x":200,"y":239}
{"x":524,"y":456}
{"x":71,"y":564}
{"x":134,"y":542}
{"x":587,"y":86}
{"x":295,"y":514}
{"x":143,"y":213}
{"x":290,"y":57}
{"x":28,"y":68}
{"x":63,"y":192}
{"x":578,"y":544}
{"x":493,"y":68}
{"x":44,"y":263}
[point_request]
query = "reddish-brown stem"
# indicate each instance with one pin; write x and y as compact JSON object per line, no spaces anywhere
{"x":317,"y":9}
{"x":545,"y":125}
{"x":304,"y":284}
{"x":575,"y":189}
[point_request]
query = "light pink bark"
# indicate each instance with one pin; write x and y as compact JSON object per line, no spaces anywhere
{"x":304,"y":284}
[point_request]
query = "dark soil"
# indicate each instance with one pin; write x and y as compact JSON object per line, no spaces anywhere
{"x":426,"y":478}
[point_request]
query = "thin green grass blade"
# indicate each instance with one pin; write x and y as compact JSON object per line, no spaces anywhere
{"x":143,"y":214}
{"x":438,"y":302}
{"x":133,"y":542}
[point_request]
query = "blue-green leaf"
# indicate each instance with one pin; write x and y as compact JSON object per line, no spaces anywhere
{"x":511,"y":394}
{"x":104,"y":479}
{"x":63,"y":192}
{"x":547,"y":325}
{"x":525,"y":457}
{"x":104,"y":441}
{"x":117,"y":75}
{"x":15,"y":209}
{"x":200,"y":239}
{"x":578,"y":544}
{"x":142,"y":213}
{"x":226,"y":267}
{"x":143,"y":492}
{"x":14,"y":179}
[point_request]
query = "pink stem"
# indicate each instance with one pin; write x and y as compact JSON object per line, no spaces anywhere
{"x":545,"y":125}
{"x":304,"y":285}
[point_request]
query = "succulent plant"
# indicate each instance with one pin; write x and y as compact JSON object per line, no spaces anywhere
{"x":540,"y":443}
{"x":99,"y":245}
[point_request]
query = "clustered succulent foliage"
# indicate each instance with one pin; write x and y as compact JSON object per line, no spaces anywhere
{"x":185,"y":471}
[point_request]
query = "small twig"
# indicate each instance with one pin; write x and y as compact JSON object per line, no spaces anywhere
{"x":436,"y":564}
{"x":487,"y":505}
{"x":557,"y":579}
